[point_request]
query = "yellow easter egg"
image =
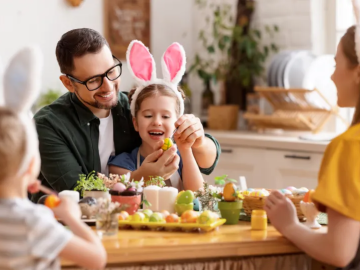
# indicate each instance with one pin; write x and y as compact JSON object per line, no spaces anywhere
{"x":167,"y":144}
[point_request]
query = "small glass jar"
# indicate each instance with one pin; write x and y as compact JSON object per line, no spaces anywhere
{"x":107,"y":224}
{"x":258,"y":220}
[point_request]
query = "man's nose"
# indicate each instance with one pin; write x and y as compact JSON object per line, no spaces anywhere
{"x":106,"y":84}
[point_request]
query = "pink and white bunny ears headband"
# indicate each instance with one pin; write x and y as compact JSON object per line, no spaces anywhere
{"x":142,"y":67}
{"x":21,"y":87}
{"x":356,"y":6}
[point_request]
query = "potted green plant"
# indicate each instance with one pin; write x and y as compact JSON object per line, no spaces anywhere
{"x":92,"y":186}
{"x":47,"y":98}
{"x":124,"y":191}
{"x":207,"y":197}
{"x":230,"y":203}
{"x":233,"y":52}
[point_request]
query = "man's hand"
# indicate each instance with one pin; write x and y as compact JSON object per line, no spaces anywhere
{"x":190,"y":132}
{"x":281,"y":211}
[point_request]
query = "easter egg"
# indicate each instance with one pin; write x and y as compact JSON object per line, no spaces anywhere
{"x":119,"y":187}
{"x":246,"y":192}
{"x":165,"y":213}
{"x":138,"y":217}
{"x":52,"y":201}
{"x":167,"y":144}
{"x":304,"y":188}
{"x":122,"y":217}
{"x":206,"y":217}
{"x":147,"y":213}
{"x":307,"y":196}
{"x":172,"y":218}
{"x":125,"y":214}
{"x":189,"y":216}
{"x":291,"y":188}
{"x":229,"y":191}
{"x":156,"y":217}
{"x":185,"y":197}
{"x":250,"y":189}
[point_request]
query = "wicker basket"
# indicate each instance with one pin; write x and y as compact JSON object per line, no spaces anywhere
{"x":257,"y":203}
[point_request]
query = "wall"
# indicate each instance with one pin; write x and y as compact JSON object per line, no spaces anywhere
{"x":43,"y":22}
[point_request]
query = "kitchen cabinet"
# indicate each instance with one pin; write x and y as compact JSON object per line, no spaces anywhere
{"x":268,"y":168}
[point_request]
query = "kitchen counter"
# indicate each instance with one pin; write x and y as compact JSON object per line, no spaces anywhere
{"x":142,"y":247}
{"x":286,"y":141}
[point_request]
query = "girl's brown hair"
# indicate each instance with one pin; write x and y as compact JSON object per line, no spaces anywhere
{"x":349,"y":50}
{"x":153,"y":89}
{"x":12,"y":143}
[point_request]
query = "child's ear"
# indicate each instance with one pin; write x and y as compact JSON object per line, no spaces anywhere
{"x":67,"y":83}
{"x":34,"y":167}
{"x":135,"y":124}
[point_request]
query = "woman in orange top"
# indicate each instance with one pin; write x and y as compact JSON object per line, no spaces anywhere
{"x":338,"y":190}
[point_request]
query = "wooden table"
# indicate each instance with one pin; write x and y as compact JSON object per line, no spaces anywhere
{"x":131,"y":247}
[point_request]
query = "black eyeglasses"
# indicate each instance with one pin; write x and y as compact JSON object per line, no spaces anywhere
{"x":96,"y":81}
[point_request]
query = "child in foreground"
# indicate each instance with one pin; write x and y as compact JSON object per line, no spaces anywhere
{"x":30,"y":236}
{"x":156,"y":105}
{"x":338,"y":190}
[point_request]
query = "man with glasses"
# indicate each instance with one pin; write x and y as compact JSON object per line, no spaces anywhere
{"x":83,"y":128}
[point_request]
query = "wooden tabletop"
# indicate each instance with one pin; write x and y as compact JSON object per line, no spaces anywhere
{"x":131,"y":246}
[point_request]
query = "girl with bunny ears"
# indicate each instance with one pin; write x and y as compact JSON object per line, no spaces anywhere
{"x":31,"y":236}
{"x":338,"y":189}
{"x":156,"y":105}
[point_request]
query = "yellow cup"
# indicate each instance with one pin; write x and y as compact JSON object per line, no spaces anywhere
{"x":258,"y":220}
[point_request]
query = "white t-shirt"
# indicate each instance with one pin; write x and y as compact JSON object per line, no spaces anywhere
{"x":106,"y":142}
{"x":30,"y":237}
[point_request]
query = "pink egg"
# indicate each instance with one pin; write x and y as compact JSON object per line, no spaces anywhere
{"x":291,"y":188}
{"x":120,"y":187}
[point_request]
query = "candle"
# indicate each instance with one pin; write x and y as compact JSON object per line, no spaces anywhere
{"x":74,"y":195}
{"x":151,"y":194}
{"x":167,"y":198}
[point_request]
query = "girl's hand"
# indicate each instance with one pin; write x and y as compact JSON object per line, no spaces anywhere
{"x":281,"y":212}
{"x":34,"y":186}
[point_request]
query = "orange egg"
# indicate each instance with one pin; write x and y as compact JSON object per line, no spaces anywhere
{"x":52,"y":201}
{"x":125,"y":214}
{"x":189,"y":216}
{"x":229,"y":192}
{"x":122,"y":216}
{"x":172,"y":218}
{"x":307,"y":196}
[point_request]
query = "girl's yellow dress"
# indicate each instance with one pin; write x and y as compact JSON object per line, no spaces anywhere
{"x":339,"y":175}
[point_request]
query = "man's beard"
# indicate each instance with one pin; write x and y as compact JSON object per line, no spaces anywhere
{"x":97,"y":104}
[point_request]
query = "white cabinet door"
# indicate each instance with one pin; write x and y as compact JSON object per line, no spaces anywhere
{"x":240,"y":161}
{"x":292,"y":168}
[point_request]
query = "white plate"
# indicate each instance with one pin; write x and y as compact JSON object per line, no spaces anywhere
{"x":272,"y":72}
{"x":319,"y":76}
{"x":296,"y":69}
{"x":281,"y":68}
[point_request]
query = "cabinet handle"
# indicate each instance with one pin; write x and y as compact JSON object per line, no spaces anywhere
{"x":298,"y":157}
{"x":226,"y":150}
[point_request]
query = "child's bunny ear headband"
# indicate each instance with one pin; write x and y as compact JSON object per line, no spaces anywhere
{"x":21,"y":87}
{"x":356,"y":6}
{"x":142,"y":67}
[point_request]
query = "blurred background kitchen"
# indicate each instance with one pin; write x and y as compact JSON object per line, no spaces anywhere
{"x":242,"y":59}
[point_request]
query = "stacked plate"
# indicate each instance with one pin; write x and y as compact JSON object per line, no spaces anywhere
{"x":302,"y":69}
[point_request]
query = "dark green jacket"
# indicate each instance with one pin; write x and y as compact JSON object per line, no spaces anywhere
{"x":68,"y":140}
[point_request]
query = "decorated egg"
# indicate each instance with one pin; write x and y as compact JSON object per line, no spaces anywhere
{"x":304,"y":188}
{"x":167,"y":144}
{"x":298,"y":192}
{"x":291,"y":188}
{"x":285,"y":191}
{"x":246,"y":192}
{"x":250,"y":189}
